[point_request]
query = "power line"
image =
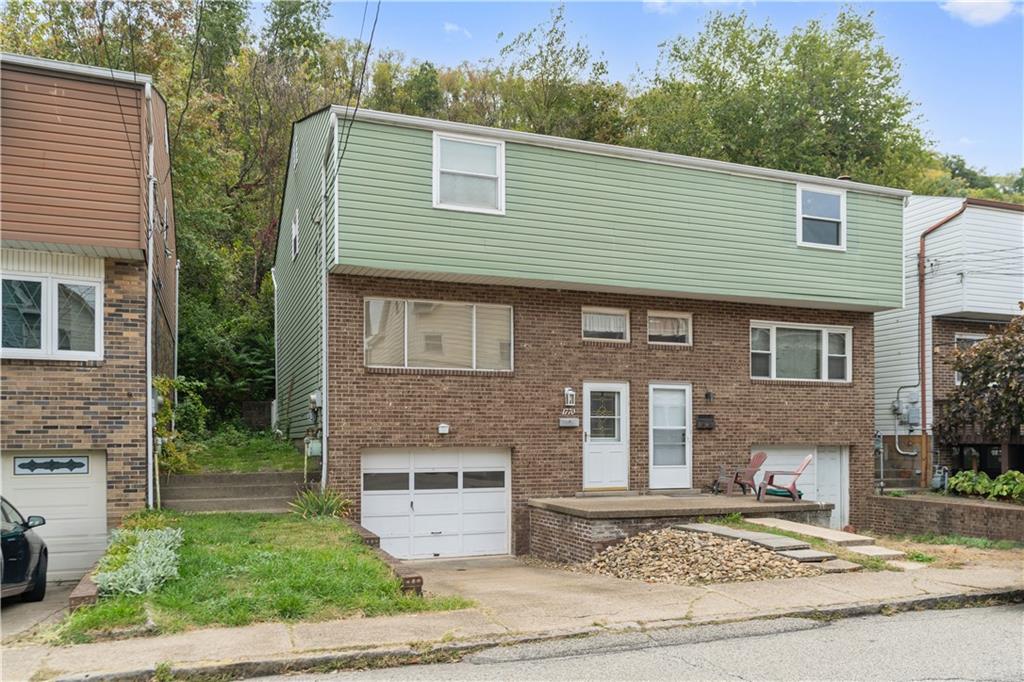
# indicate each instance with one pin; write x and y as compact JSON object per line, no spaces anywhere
{"x":191,"y":73}
{"x":362,"y":83}
{"x":352,"y":75}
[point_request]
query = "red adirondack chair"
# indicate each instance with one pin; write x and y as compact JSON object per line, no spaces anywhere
{"x":745,"y":478}
{"x":768,"y":483}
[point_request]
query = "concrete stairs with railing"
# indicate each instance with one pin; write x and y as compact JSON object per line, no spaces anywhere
{"x":250,"y":492}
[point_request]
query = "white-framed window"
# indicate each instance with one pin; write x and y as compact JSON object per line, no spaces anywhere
{"x":469,"y":174}
{"x":51,"y":317}
{"x":821,"y":217}
{"x":800,"y":352}
{"x":963,"y":342}
{"x":669,"y":328}
{"x":418,"y":334}
{"x":295,"y":234}
{"x":605,"y":324}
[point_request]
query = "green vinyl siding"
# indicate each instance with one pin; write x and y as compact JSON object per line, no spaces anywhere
{"x":598,"y":221}
{"x":299,"y":283}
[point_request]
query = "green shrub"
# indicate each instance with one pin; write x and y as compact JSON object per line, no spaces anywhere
{"x":970,"y":483}
{"x":139,"y":561}
{"x":312,"y":503}
{"x":148,"y":519}
{"x":1008,"y":486}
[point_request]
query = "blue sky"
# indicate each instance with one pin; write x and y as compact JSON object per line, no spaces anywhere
{"x":963,"y":61}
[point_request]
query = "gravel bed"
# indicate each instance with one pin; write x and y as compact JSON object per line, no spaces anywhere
{"x":682,"y":557}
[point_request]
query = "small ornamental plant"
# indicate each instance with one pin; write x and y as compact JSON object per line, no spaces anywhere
{"x":321,"y":503}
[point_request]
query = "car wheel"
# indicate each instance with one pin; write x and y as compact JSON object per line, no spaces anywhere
{"x":38,"y":591}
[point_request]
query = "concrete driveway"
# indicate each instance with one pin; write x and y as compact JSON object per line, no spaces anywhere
{"x":18,"y":618}
{"x":523,"y":596}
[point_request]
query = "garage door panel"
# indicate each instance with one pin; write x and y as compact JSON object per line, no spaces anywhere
{"x":489,"y":501}
{"x":436,"y":545}
{"x":74,"y":505}
{"x":385,"y":505}
{"x":822,"y":480}
{"x":484,"y":523}
{"x":436,"y":503}
{"x":430,"y":523}
{"x":451,"y":514}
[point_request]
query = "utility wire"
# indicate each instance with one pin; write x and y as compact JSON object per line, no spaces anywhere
{"x":362,"y":83}
{"x":345,"y":123}
{"x":191,"y":74}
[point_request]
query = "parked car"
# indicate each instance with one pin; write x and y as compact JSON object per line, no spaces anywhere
{"x":24,"y":555}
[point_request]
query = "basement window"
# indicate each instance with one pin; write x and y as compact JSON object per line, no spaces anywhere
{"x":469,"y":174}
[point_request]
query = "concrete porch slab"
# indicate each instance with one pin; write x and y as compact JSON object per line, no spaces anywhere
{"x":836,"y":537}
{"x":650,"y":506}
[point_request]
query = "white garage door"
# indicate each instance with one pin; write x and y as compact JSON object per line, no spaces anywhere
{"x":70,"y":492}
{"x":437,"y":503}
{"x":826,"y":478}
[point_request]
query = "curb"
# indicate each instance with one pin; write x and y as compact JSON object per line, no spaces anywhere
{"x":452,"y":652}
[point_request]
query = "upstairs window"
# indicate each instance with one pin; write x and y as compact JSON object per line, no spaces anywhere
{"x":437,"y":335}
{"x":295,"y":235}
{"x":51,"y":318}
{"x":469,"y":174}
{"x":800,"y":352}
{"x":606,"y":324}
{"x":821,"y":217}
{"x":963,"y":342}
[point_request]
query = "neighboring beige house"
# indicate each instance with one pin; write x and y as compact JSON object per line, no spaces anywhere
{"x":89,"y":296}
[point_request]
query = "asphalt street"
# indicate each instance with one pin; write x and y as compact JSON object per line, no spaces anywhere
{"x":962,"y":644}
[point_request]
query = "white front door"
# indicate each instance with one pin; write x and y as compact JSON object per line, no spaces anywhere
{"x":669,"y":436}
{"x":605,"y":436}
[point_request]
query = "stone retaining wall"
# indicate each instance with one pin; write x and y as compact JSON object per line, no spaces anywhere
{"x":919,"y":514}
{"x":563,"y":538}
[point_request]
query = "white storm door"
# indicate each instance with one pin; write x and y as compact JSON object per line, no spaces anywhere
{"x":605,"y":436}
{"x":669,"y":436}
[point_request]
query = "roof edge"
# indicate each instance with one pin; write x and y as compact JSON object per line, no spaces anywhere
{"x":603,"y":149}
{"x":991,"y":203}
{"x":75,"y":69}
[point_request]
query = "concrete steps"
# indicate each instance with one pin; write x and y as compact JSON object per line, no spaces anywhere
{"x":253,"y":492}
{"x":836,"y":537}
{"x":877,"y":552}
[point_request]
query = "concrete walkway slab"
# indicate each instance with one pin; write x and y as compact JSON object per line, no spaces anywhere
{"x":770,"y":540}
{"x":807,"y":555}
{"x":877,"y":551}
{"x":839,"y":566}
{"x":836,"y":537}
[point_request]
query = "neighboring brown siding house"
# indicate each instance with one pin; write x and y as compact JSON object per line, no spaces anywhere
{"x":76,"y":216}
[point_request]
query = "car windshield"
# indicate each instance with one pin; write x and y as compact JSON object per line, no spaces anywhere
{"x":11,"y":514}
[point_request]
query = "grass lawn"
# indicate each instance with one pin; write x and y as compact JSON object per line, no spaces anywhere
{"x":237,"y":569}
{"x":242,"y":451}
{"x":964,"y":541}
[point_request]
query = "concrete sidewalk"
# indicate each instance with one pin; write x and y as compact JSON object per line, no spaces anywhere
{"x":515,"y":601}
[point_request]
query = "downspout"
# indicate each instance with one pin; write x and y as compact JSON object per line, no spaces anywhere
{"x":177,"y":288}
{"x":324,"y":316}
{"x":921,"y":345}
{"x":151,"y":182}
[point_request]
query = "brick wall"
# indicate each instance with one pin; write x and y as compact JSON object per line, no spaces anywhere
{"x":559,"y":537}
{"x":519,"y":410}
{"x":919,"y":514}
{"x":96,"y":406}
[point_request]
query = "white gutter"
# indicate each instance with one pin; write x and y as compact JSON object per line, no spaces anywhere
{"x":148,"y":336}
{"x":75,"y":69}
{"x":601,"y":149}
{"x":177,"y":288}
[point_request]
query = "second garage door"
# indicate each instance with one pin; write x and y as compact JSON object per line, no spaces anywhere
{"x":826,"y":478}
{"x":437,"y":502}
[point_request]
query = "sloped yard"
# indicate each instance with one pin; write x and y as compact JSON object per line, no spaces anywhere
{"x":237,"y":569}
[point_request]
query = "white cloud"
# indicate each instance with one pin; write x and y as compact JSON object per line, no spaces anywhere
{"x":453,"y":28}
{"x":660,"y":7}
{"x":967,"y":141}
{"x":979,"y":12}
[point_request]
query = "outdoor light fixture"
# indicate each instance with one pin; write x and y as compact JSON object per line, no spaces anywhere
{"x":570,"y":397}
{"x":709,"y":396}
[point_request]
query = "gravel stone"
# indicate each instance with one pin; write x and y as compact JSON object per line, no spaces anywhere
{"x":686,"y":558}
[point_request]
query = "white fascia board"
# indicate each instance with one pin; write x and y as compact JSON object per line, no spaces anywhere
{"x":602,"y":149}
{"x":75,"y":69}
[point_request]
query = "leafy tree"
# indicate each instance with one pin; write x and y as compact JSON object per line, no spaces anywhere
{"x":821,"y":100}
{"x":990,"y":396}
